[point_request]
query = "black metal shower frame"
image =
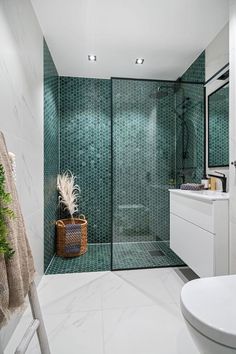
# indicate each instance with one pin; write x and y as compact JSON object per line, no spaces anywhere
{"x":112,"y":156}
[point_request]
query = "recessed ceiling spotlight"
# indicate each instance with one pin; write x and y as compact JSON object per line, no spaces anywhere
{"x":139,"y":61}
{"x":92,"y":57}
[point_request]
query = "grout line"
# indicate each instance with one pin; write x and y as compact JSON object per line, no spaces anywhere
{"x":103,"y":332}
{"x":59,"y":123}
{"x":45,"y":273}
{"x":59,"y":134}
{"x":125,"y":242}
{"x":146,"y":293}
{"x":130,"y":242}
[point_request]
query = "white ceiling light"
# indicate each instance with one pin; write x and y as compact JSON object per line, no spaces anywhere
{"x":93,"y":27}
{"x":139,"y":61}
{"x":92,"y":57}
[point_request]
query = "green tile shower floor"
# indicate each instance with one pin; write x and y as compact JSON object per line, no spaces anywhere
{"x":126,"y":255}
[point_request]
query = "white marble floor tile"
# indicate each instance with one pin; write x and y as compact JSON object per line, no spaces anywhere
{"x":128,"y":312}
{"x":81,"y":332}
{"x":175,"y":281}
{"x":146,"y":330}
{"x":24,"y":323}
{"x":150,"y":282}
{"x":118,"y":293}
{"x":174,"y":284}
{"x":69,"y":293}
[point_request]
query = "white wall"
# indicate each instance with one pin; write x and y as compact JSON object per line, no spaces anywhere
{"x":232,"y":133}
{"x":217,"y":53}
{"x":216,"y":57}
{"x":21,"y":116}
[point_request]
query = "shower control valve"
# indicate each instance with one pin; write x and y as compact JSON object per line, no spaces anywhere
{"x":233,"y":163}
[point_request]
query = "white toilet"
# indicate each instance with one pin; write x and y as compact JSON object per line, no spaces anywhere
{"x":209,"y":309}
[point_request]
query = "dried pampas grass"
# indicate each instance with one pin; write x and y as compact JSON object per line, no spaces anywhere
{"x":69,"y":192}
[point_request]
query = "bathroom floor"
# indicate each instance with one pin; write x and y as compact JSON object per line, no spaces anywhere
{"x":126,"y":255}
{"x":128,"y":312}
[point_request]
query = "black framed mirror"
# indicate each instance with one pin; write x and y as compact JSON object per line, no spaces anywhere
{"x":218,"y":127}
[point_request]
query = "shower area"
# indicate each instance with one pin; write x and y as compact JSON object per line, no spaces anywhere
{"x":155,"y":127}
{"x":129,"y":141}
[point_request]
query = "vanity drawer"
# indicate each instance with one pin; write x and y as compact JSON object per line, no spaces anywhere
{"x":193,"y":245}
{"x":195,"y":211}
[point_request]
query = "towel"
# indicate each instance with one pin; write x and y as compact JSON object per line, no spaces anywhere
{"x":73,"y":238}
{"x":16,"y":273}
{"x":192,"y":186}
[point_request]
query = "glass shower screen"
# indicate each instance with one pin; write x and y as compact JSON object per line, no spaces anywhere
{"x":144,"y":126}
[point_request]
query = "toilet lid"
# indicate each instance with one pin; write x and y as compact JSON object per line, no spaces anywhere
{"x":209,"y":305}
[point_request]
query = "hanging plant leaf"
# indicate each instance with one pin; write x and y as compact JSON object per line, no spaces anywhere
{"x":5,"y":212}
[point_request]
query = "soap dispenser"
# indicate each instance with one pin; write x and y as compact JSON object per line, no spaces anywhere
{"x":205,"y":182}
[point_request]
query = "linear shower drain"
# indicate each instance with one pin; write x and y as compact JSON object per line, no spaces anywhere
{"x":156,"y":253}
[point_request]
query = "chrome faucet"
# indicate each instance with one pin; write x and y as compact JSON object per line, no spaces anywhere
{"x":223,"y":179}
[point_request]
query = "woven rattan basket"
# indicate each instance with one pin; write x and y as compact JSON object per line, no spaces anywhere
{"x":71,"y":237}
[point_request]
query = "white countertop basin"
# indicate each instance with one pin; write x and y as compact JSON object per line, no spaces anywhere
{"x":201,"y":195}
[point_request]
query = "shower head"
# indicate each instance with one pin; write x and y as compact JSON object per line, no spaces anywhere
{"x":162,"y":91}
{"x":159,"y":93}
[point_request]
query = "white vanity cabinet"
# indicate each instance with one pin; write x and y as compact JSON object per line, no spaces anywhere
{"x":199,"y":231}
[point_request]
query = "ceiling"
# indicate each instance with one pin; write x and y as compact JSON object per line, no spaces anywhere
{"x":168,"y":34}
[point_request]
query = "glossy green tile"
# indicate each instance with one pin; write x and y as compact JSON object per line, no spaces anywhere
{"x":85,"y":148}
{"x":97,"y":258}
{"x":219,"y":128}
{"x":147,"y":145}
{"x":125,"y":255}
{"x":51,"y":153}
{"x":191,"y":121}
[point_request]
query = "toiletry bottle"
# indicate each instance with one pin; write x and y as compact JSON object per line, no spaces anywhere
{"x":205,"y":182}
{"x":213,"y":183}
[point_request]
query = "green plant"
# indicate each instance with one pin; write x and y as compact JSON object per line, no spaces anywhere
{"x":5,"y":212}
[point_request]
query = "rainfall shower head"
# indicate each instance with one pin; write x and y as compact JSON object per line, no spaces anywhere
{"x":161,"y":92}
